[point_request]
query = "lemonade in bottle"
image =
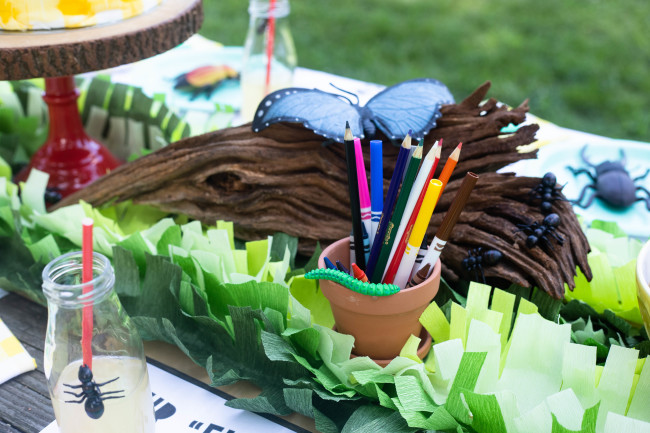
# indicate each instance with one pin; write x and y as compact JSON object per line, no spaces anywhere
{"x":113,"y":393}
{"x":268,"y":39}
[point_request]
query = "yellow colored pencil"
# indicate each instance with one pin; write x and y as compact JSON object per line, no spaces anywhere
{"x":431,"y":197}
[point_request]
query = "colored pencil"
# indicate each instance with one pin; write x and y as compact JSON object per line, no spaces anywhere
{"x":394,"y":266}
{"x":449,"y":221}
{"x":398,"y":212}
{"x":359,"y":274}
{"x":353,"y":188}
{"x":364,"y":196}
{"x":449,"y":166}
{"x":391,"y":196}
{"x":377,"y":186}
{"x":403,"y":274}
{"x":437,"y":157}
{"x":412,"y":207}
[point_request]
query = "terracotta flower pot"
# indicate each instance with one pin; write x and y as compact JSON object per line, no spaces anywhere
{"x":380,"y":325}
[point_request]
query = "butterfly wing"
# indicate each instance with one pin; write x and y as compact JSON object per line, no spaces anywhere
{"x":322,"y":112}
{"x":411,"y":105}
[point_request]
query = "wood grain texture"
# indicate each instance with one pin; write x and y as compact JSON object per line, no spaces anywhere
{"x":68,"y":52}
{"x":284,"y":179}
{"x":24,"y":401}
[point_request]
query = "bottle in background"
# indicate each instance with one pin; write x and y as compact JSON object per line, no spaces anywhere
{"x":268,"y":33}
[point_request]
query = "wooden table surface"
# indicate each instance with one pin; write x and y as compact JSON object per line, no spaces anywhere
{"x":24,"y":400}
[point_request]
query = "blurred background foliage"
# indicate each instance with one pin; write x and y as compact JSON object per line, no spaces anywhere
{"x":583,"y":64}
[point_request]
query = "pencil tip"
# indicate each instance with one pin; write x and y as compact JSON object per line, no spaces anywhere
{"x":460,"y":145}
{"x":407,"y":141}
{"x":434,"y":151}
{"x":348,"y":132}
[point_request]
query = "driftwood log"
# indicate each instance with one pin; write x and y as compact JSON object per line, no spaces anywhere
{"x":285,"y":179}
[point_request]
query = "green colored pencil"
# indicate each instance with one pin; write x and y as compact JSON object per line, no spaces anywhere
{"x":395,"y":219}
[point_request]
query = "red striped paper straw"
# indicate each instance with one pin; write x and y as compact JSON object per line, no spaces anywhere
{"x":270,"y":42}
{"x":87,"y":277}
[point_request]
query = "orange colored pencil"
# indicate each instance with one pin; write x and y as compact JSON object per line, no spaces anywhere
{"x":449,"y":167}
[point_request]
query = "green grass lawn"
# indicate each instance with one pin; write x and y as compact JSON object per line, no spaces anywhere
{"x":583,"y":64}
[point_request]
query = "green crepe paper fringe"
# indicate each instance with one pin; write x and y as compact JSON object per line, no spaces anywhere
{"x":613,"y":261}
{"x":496,"y":365}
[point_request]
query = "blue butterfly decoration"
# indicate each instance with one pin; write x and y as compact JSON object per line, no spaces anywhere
{"x":411,"y":105}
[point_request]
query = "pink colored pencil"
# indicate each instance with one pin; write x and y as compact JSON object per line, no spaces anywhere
{"x":364,"y":195}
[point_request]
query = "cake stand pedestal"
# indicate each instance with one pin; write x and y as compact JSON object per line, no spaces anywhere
{"x":71,"y":158}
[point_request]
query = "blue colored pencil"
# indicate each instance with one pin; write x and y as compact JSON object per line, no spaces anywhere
{"x":376,"y":186}
{"x":391,"y":197}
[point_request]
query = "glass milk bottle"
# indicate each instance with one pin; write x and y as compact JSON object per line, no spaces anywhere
{"x":117,"y":397}
{"x":268,"y":36}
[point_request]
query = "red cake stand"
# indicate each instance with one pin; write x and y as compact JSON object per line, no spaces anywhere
{"x":71,"y":158}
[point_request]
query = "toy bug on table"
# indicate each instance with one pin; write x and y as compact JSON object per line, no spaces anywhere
{"x":91,"y":393}
{"x":539,"y":232}
{"x":612,"y":183}
{"x":477,"y":259}
{"x":547,"y":191}
{"x":204,"y":79}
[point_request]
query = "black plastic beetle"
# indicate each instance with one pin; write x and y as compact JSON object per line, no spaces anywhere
{"x":477,"y":258}
{"x":91,"y":393}
{"x":547,"y":191}
{"x":540,"y":232}
{"x":612,"y":183}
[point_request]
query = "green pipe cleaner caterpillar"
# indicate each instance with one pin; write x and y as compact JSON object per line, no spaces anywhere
{"x":352,"y":283}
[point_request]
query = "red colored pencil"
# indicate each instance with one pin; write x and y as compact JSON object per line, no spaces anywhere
{"x":401,"y":246}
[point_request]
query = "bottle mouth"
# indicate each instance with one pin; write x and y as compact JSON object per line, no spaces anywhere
{"x":262,"y":8}
{"x":62,"y":280}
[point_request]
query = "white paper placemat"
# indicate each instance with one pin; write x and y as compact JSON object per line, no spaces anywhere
{"x":184,"y":404}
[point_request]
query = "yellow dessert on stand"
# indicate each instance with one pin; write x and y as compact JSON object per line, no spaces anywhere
{"x":23,"y":15}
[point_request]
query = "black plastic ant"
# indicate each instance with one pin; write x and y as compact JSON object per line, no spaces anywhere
{"x":91,"y":393}
{"x":612,"y":183}
{"x":477,"y":258}
{"x":547,"y":191}
{"x":541,"y":232}
{"x":52,"y":195}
